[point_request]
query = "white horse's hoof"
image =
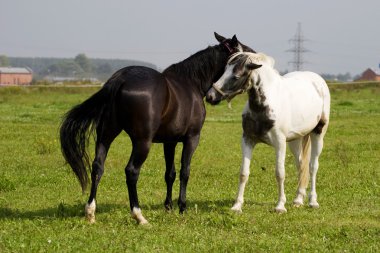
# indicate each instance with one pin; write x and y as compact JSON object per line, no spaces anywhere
{"x":237,"y":208}
{"x":280,"y":209}
{"x":314,"y":204}
{"x":297,"y":203}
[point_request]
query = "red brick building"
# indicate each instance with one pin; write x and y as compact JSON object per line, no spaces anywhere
{"x":15,"y":76}
{"x":369,"y":75}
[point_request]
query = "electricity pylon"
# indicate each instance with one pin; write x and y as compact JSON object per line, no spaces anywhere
{"x":298,"y":49}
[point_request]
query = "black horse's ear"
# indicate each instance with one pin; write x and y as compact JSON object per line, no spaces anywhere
{"x":252,"y":66}
{"x":234,"y":42}
{"x":219,"y":38}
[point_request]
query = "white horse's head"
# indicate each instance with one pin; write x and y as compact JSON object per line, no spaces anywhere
{"x":238,"y":75}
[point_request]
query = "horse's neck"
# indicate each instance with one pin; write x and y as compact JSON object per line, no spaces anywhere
{"x":266,"y":82}
{"x":199,"y":70}
{"x":267,"y":79}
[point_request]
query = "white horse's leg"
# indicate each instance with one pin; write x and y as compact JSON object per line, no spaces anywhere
{"x":246,"y":147}
{"x":301,"y":151}
{"x":280,"y":175}
{"x":316,"y":149}
{"x":296,"y":149}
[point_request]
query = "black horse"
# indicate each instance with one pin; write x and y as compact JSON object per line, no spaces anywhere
{"x":151,"y":107}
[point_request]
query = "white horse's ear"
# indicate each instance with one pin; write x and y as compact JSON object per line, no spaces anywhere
{"x":252,"y":66}
{"x":219,"y":38}
{"x":271,"y":61}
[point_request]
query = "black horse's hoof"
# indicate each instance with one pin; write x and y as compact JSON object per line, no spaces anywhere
{"x":182,"y":208}
{"x":168,"y":205}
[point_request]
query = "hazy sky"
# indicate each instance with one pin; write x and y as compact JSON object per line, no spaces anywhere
{"x":343,"y":35}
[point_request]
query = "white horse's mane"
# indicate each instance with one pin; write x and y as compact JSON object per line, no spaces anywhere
{"x":257,"y":58}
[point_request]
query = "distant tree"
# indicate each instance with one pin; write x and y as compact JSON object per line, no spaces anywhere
{"x":104,"y":68}
{"x":344,"y":77}
{"x":340,"y":77}
{"x":356,"y":77}
{"x":4,"y":61}
{"x":329,"y":77}
{"x":84,"y":62}
{"x":67,"y":68}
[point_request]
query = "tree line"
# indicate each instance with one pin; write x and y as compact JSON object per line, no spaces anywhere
{"x":80,"y":67}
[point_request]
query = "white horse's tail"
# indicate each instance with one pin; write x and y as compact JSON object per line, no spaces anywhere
{"x":304,"y":165}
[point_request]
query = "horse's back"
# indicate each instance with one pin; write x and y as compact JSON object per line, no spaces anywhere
{"x":308,"y":101}
{"x":305,"y":83}
{"x":321,"y":88}
{"x":137,"y":77}
{"x":139,"y":100}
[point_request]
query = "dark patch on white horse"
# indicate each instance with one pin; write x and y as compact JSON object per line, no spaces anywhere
{"x":254,"y":128}
{"x":319,"y":127}
{"x":257,"y":122}
{"x":257,"y":99}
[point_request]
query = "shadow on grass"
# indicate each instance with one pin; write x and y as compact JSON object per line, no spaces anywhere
{"x":206,"y":205}
{"x":60,"y":211}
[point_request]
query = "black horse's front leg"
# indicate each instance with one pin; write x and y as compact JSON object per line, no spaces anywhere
{"x":189,"y":146}
{"x":169,"y":151}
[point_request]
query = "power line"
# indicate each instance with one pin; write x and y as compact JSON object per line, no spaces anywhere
{"x":298,"y":49}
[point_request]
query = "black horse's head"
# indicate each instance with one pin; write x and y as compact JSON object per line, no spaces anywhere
{"x":207,"y":66}
{"x":225,"y":48}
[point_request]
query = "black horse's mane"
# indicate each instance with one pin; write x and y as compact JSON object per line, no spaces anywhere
{"x":199,"y":67}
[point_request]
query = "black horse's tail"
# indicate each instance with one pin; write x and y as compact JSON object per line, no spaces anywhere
{"x":77,"y":127}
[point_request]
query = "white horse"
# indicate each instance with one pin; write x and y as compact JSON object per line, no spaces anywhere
{"x":293,"y":108}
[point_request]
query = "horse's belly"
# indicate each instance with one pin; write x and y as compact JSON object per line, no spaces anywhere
{"x":302,"y":125}
{"x":169,"y":133}
{"x":304,"y":115}
{"x":293,"y":135}
{"x":178,"y":129}
{"x":167,"y":138}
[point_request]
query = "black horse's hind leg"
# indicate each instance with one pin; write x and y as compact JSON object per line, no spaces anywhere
{"x":169,"y":151}
{"x":105,"y":137}
{"x":189,"y":147}
{"x":139,"y":154}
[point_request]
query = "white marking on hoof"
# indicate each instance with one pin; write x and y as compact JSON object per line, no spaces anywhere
{"x":90,"y":211}
{"x":237,"y":208}
{"x":313,"y":201}
{"x":314,"y":204}
{"x":136,"y":214}
{"x":298,"y":202}
{"x":280,"y":209}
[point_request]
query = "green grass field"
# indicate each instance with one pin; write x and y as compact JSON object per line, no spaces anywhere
{"x":42,"y":206}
